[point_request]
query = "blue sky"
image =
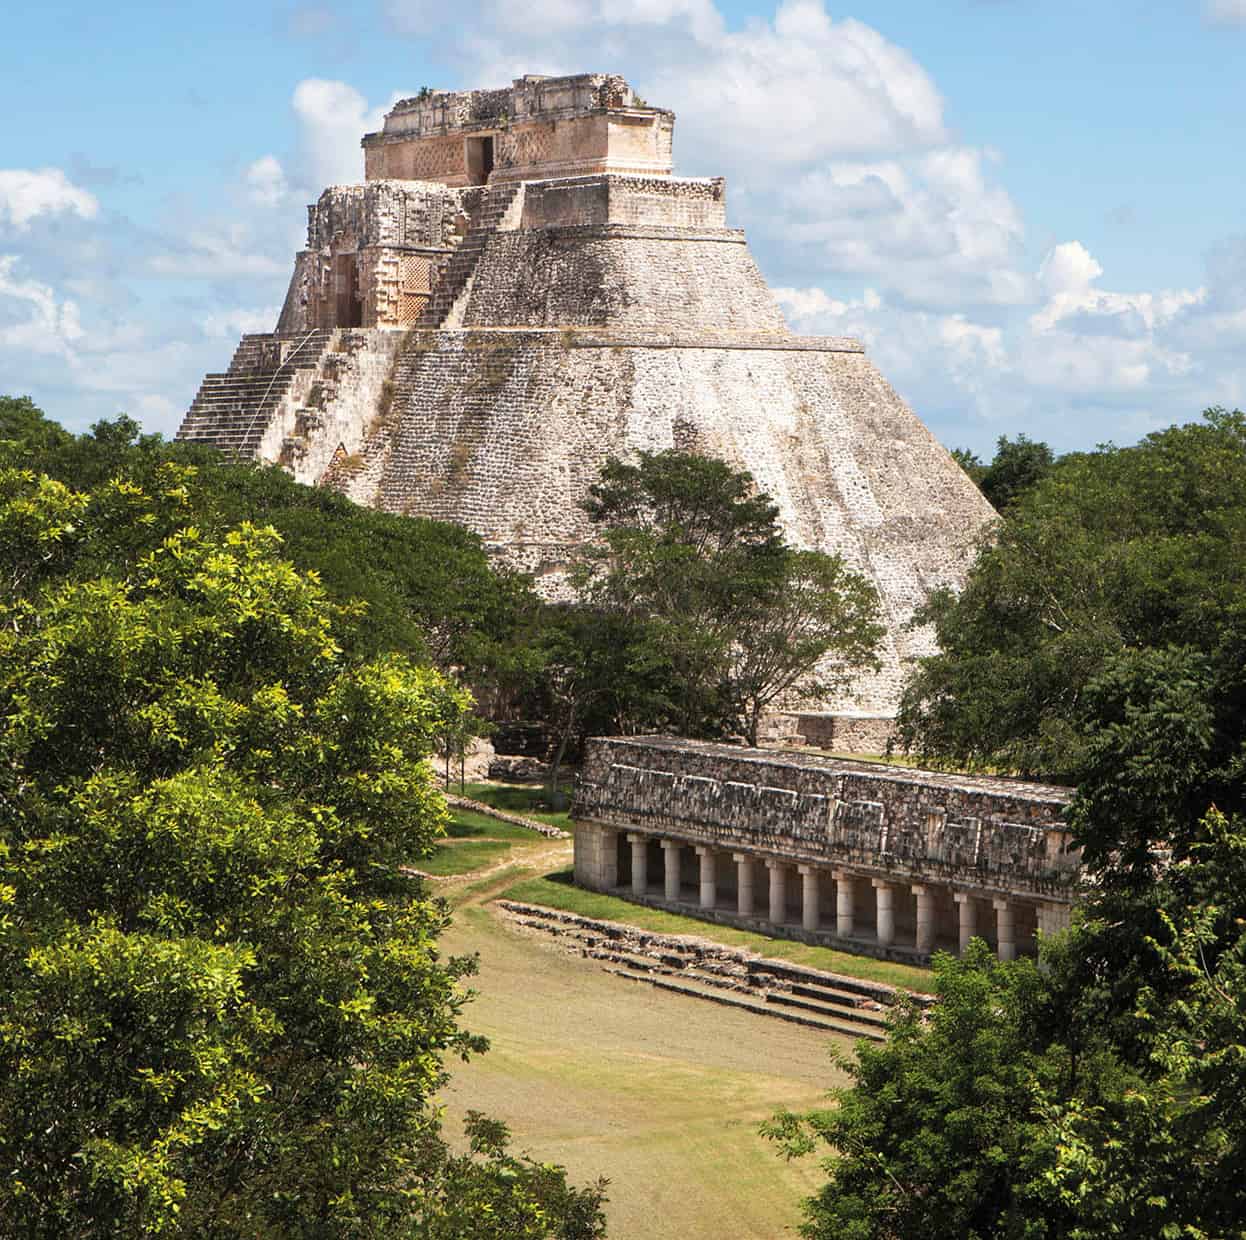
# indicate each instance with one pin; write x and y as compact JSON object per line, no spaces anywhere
{"x":1031,"y":210}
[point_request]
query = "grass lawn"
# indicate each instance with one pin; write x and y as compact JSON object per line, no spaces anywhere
{"x":466,"y":824}
{"x":659,"y":1093}
{"x":557,"y":891}
{"x":463,"y":857}
{"x":526,"y":799}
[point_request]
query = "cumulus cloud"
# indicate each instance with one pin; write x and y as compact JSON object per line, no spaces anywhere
{"x":265,"y":180}
{"x":1068,"y":275}
{"x":230,"y":324}
{"x":932,"y":228}
{"x":26,"y":194}
{"x":332,"y":117}
{"x":32,"y":318}
{"x":214,"y":253}
{"x":800,"y":89}
{"x":1076,"y":361}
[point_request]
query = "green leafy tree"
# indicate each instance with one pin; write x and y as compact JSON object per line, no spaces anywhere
{"x":429,"y":588}
{"x":1018,"y":465}
{"x":939,"y":1132}
{"x":971,"y":463}
{"x":724,"y":615}
{"x":1121,"y":1055}
{"x":806,"y":636}
{"x":1118,"y":550}
{"x":223,"y":1012}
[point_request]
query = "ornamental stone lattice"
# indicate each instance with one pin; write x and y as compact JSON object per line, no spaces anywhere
{"x":889,"y":861}
{"x":519,"y":288}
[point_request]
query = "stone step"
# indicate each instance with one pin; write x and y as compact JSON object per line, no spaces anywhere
{"x":691,"y":966}
{"x":848,"y":1011}
{"x":693,"y":991}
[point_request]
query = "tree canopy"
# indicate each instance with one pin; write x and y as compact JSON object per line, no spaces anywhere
{"x":429,"y":587}
{"x":1017,"y":466}
{"x":1114,"y":553}
{"x":1097,"y":1092}
{"x":712,"y":616}
{"x":223,"y":1012}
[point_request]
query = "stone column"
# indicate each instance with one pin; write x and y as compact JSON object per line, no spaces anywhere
{"x":744,"y":883}
{"x":845,"y":892}
{"x":925,"y":937}
{"x":778,"y":891}
{"x":670,"y":868}
{"x":1052,"y":918}
{"x":640,"y":863}
{"x":609,"y":858}
{"x":966,"y":913}
{"x":709,"y":881}
{"x":885,"y":911}
{"x":1005,"y":930}
{"x":809,"y":897}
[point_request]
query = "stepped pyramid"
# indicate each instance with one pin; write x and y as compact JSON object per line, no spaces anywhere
{"x":520,"y":287}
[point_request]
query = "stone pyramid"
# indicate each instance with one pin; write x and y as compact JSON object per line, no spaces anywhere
{"x":520,"y":288}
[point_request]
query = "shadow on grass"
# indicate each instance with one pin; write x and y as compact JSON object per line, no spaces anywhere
{"x":529,"y":800}
{"x":464,"y":824}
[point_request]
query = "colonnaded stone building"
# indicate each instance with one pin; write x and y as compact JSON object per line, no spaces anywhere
{"x":885,"y":860}
{"x":520,"y":287}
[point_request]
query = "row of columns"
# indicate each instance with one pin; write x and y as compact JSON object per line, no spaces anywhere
{"x":845,"y":897}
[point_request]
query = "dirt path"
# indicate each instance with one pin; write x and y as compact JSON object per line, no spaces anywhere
{"x":476,"y":887}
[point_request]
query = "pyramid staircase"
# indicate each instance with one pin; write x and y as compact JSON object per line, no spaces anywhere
{"x":489,"y":217}
{"x":698,"y":969}
{"x":232,"y":410}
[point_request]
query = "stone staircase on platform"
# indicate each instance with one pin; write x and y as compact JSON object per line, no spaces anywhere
{"x":232,"y":410}
{"x":699,"y":969}
{"x":499,"y":207}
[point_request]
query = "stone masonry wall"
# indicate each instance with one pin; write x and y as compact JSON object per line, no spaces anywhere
{"x":624,"y":278}
{"x":653,"y":201}
{"x":344,"y":405}
{"x":504,"y":432}
{"x":390,"y":212}
{"x":995,"y":834}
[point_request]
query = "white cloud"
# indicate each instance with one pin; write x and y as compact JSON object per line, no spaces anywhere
{"x":32,"y":318}
{"x":1068,"y":275}
{"x":265,"y":180}
{"x":929,"y":227}
{"x":215,"y":253}
{"x":332,"y":118}
{"x":28,"y":193}
{"x":802,"y":89}
{"x":1225,"y":12}
{"x":230,"y":324}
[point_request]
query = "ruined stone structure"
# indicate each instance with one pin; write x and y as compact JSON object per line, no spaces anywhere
{"x":521,"y":287}
{"x":886,"y":860}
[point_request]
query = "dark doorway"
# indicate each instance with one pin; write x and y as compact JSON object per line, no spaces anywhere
{"x":479,"y":160}
{"x":348,"y":308}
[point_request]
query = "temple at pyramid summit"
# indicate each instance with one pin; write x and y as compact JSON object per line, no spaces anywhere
{"x":520,"y":287}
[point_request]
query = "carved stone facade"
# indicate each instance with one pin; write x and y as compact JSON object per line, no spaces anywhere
{"x":570,"y":300}
{"x":539,"y":128}
{"x":883,"y":859}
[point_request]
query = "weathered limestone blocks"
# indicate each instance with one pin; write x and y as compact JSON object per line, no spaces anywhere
{"x":505,"y":431}
{"x":916,"y":858}
{"x":539,"y":127}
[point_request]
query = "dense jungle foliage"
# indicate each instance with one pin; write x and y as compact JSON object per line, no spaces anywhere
{"x":223,"y":1010}
{"x":1098,"y":1091}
